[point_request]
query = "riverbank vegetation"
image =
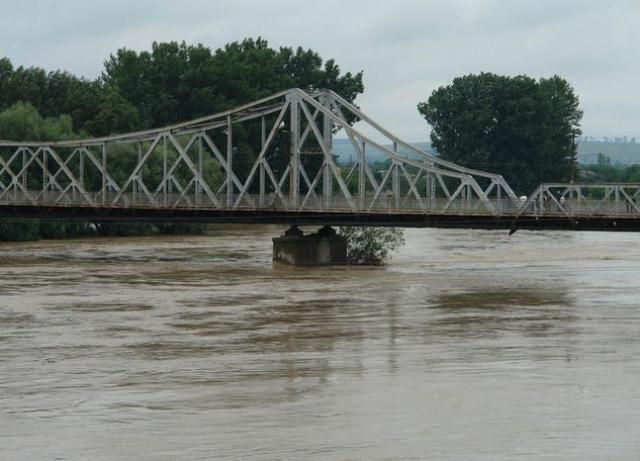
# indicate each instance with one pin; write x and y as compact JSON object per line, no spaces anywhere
{"x":604,"y":170}
{"x":371,"y":246}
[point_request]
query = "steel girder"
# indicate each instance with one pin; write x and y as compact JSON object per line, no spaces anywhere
{"x":274,"y":154}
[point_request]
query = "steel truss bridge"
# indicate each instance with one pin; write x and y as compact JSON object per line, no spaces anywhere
{"x":272,"y":161}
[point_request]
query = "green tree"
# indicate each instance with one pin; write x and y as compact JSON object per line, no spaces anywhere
{"x":371,"y":245}
{"x":22,"y":122}
{"x":94,"y":108}
{"x":516,"y":126}
{"x":177,"y":82}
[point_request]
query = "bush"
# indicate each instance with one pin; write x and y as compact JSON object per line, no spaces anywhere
{"x":371,"y":245}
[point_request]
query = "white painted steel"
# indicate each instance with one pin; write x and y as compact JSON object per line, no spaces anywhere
{"x":302,"y":177}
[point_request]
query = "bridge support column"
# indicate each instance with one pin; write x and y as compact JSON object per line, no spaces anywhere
{"x":323,"y":248}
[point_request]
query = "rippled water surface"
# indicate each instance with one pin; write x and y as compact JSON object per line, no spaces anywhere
{"x":468,"y":345}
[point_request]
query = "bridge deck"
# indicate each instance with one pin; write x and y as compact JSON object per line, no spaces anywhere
{"x":459,"y":216}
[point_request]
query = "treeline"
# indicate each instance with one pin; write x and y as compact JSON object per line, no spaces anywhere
{"x":172,"y":82}
{"x":605,"y":171}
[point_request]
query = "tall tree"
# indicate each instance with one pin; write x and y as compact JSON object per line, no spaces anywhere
{"x":516,"y":126}
{"x":94,"y":109}
{"x":176,"y":82}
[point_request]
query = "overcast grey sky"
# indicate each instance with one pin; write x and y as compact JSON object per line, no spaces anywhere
{"x":406,"y":48}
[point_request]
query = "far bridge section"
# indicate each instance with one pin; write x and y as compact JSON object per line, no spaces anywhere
{"x":272,"y":161}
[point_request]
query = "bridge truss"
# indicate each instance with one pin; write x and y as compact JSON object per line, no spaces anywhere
{"x":275,"y":157}
{"x":275,"y":153}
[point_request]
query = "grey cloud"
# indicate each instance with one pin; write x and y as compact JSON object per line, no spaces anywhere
{"x":407,"y":48}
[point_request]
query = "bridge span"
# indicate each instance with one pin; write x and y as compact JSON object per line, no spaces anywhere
{"x":272,"y":161}
{"x":571,"y":214}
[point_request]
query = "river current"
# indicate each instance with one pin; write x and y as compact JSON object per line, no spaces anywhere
{"x":467,"y":345}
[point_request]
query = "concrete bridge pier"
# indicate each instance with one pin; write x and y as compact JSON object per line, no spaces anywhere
{"x":323,"y":248}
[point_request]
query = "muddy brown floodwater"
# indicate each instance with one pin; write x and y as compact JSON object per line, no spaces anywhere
{"x":468,"y":345}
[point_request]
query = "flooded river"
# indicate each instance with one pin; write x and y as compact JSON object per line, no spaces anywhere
{"x":468,"y":345}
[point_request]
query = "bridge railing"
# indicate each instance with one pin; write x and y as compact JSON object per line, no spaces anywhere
{"x":369,"y":203}
{"x":574,"y":200}
{"x":562,"y":200}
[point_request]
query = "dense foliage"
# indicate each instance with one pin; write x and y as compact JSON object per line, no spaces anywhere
{"x":172,"y":82}
{"x":176,"y":82}
{"x":515,"y":126}
{"x":371,"y":245}
{"x":94,"y":108}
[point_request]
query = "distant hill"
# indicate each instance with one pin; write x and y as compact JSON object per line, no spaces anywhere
{"x":344,"y":150}
{"x":620,"y":153}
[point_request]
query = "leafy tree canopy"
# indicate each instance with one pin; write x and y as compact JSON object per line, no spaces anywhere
{"x":94,"y":109}
{"x":519,"y":127}
{"x":371,"y":245}
{"x":22,"y":122}
{"x":175,"y":81}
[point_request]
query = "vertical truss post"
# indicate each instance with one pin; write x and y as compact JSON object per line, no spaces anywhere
{"x":433,"y":188}
{"x":135,"y":185}
{"x":138,"y":179}
{"x":45,"y":171}
{"x":164,"y":170}
{"x":137,"y":182}
{"x":77,"y":185}
{"x":263,"y":140}
{"x":103,"y":172}
{"x":81,"y":169}
{"x":467,"y":196}
{"x":24,"y":169}
{"x":428,"y":182}
{"x":294,"y":163}
{"x":396,"y":178}
{"x":362,"y":167}
{"x":327,"y":133}
{"x":170,"y":177}
{"x":198,"y":185}
{"x":229,"y":162}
